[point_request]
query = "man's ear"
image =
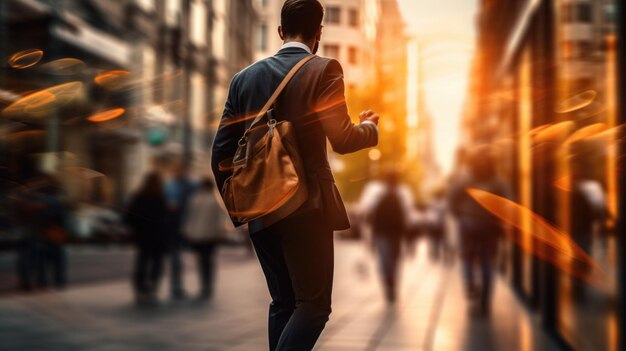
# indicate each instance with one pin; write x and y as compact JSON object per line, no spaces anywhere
{"x":280,"y":33}
{"x":318,"y":36}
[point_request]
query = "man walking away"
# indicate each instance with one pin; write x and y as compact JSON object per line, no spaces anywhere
{"x":296,"y":253}
{"x":479,"y":230}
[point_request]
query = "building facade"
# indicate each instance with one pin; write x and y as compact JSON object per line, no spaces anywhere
{"x":178,"y":57}
{"x":543,"y":98}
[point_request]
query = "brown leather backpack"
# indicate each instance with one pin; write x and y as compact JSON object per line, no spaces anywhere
{"x":268,"y":178}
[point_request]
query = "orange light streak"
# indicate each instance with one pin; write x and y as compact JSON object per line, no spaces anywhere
{"x":64,"y":66}
{"x":106,"y":115}
{"x":84,"y":173}
{"x":554,"y":133}
{"x":576,"y":102}
{"x":25,"y":135}
{"x":564,"y":183}
{"x":41,"y":103}
{"x":586,"y":132}
{"x":559,"y":248}
{"x":112,"y":79}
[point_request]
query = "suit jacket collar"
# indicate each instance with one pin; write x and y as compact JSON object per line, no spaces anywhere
{"x":291,"y":51}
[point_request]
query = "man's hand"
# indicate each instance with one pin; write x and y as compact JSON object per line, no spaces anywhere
{"x":370,"y":116}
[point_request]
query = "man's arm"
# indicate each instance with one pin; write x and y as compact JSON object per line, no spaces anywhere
{"x":226,"y":138}
{"x":344,"y":136}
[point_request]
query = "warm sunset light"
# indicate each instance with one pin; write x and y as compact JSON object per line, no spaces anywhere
{"x":431,"y":175}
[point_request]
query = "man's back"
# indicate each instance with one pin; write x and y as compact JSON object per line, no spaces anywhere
{"x":314,"y":102}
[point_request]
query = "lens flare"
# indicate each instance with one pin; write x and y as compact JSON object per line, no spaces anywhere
{"x":64,"y":67}
{"x":106,"y":115}
{"x":536,"y":130}
{"x":25,"y":59}
{"x":113,"y":80}
{"x":554,"y":133}
{"x":357,"y":178}
{"x":84,"y":173}
{"x":576,"y":102}
{"x":226,"y":165}
{"x":586,"y":132}
{"x":43,"y":102}
{"x":25,"y":136}
{"x":564,"y":183}
{"x":610,"y":136}
{"x":558,"y":249}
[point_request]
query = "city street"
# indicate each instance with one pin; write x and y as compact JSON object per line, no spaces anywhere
{"x":431,"y":313}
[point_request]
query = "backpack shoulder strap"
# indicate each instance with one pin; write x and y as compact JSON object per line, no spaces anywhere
{"x":279,"y":90}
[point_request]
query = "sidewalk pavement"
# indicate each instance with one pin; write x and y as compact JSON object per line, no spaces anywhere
{"x":431,"y":314}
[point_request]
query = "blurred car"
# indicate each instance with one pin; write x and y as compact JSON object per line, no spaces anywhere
{"x":92,"y":224}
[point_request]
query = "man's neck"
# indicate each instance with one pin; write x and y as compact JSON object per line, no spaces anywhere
{"x":298,"y":40}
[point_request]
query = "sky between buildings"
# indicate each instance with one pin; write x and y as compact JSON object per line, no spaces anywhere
{"x":447,"y":30}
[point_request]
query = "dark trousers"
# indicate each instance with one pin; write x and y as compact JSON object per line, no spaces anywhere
{"x":205,"y":253}
{"x":148,"y":269}
{"x":52,"y":261}
{"x":479,"y":247}
{"x":176,"y":265}
{"x":38,"y":260}
{"x":388,"y":250}
{"x":296,"y":256}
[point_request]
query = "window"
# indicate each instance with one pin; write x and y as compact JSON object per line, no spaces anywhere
{"x":262,"y":37}
{"x":353,"y":18}
{"x":567,"y":50}
{"x":585,"y":13}
{"x":172,"y":12}
{"x":333,"y":15}
{"x":331,"y":50}
{"x":198,"y":23}
{"x":147,"y":5}
{"x":567,"y":13}
{"x":609,"y":13}
{"x":585,"y":49}
{"x":577,"y":49}
{"x":353,"y":55}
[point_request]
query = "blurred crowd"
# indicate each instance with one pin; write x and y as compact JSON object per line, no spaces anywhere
{"x":456,"y":226}
{"x":171,"y":212}
{"x":165,"y":218}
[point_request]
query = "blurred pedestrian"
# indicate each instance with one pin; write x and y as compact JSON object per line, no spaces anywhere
{"x":389,"y":220}
{"x":436,"y":218}
{"x":42,"y":222}
{"x":204,"y":227}
{"x":589,"y":211}
{"x":54,"y":234}
{"x":178,"y":192}
{"x":146,"y":216}
{"x":479,"y":230}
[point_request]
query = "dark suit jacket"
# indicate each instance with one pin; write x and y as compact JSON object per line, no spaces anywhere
{"x":314,"y":103}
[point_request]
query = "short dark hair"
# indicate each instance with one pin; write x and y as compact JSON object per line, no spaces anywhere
{"x":301,"y":18}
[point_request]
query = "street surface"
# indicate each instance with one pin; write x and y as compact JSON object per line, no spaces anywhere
{"x":431,"y":313}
